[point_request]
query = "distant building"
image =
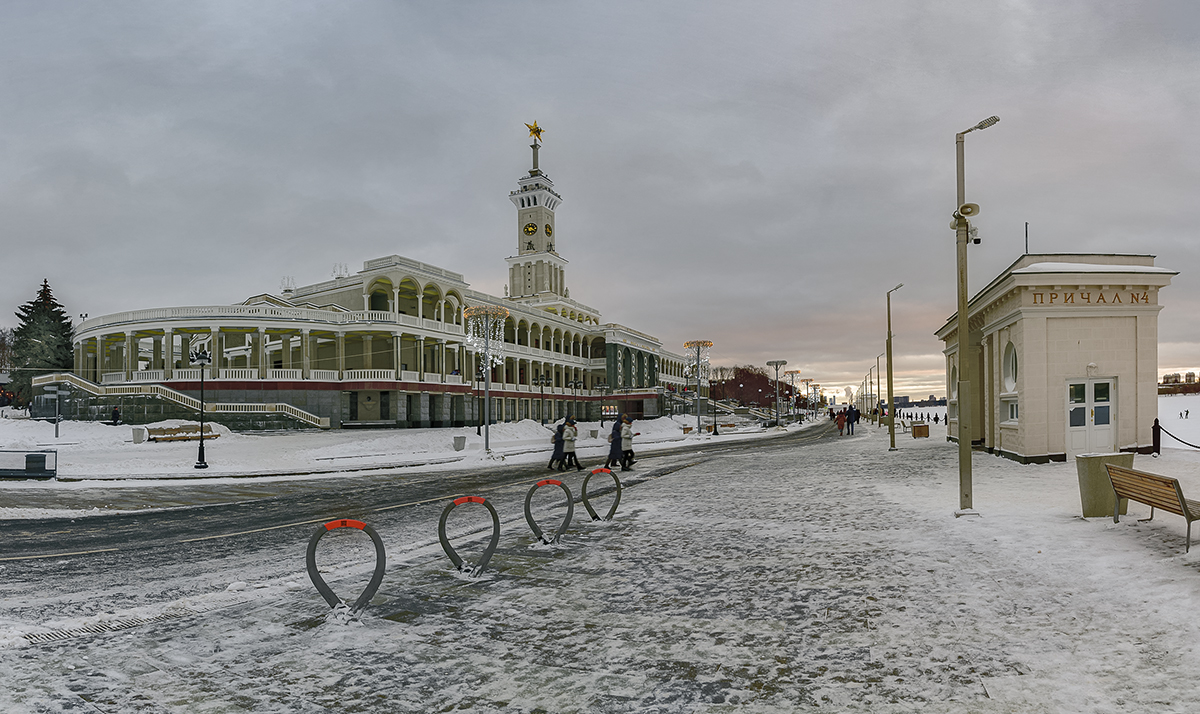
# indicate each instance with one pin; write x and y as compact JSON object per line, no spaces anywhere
{"x":1189,"y":378}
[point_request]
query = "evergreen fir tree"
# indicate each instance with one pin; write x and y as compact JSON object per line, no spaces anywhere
{"x":42,"y":342}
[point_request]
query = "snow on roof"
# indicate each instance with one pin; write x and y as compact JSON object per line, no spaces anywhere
{"x":1091,"y":268}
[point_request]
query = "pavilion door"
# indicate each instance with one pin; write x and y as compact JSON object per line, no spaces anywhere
{"x":1091,"y":416}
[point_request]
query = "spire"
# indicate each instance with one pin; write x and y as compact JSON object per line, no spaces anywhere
{"x":535,"y":131}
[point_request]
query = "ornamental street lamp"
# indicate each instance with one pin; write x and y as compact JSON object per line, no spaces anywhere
{"x":878,"y":392}
{"x":777,"y":363}
{"x":542,"y":381}
{"x":201,"y":357}
{"x":701,"y":348}
{"x":575,"y":385}
{"x":891,"y":399}
{"x":792,"y":399}
{"x":604,"y":391}
{"x":962,"y":228}
{"x":485,"y":333}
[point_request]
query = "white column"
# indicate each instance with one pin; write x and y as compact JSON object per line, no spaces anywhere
{"x":305,"y":354}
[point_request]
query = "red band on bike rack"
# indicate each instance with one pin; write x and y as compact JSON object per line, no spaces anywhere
{"x":601,"y":470}
{"x":549,"y":482}
{"x":345,"y":523}
{"x":469,"y":499}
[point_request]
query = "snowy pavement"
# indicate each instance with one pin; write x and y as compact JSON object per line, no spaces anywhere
{"x":830,"y":577}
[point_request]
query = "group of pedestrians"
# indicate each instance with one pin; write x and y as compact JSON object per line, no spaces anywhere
{"x":846,"y":419}
{"x":620,"y":450}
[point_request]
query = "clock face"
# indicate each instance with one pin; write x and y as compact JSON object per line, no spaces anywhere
{"x":530,"y":229}
{"x":549,"y":230}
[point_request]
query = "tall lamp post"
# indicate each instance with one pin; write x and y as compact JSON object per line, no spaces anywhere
{"x":791,"y":375}
{"x":485,"y":333}
{"x":542,"y":380}
{"x":701,"y":348}
{"x":575,"y":385}
{"x":777,"y":363}
{"x":202,"y":358}
{"x":604,"y":390}
{"x":878,"y":392}
{"x":962,"y":227}
{"x":891,"y":399}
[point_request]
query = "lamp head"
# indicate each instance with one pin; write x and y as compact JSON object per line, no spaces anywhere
{"x":990,"y":121}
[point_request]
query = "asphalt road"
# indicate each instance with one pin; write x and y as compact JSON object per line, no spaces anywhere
{"x":267,"y":511}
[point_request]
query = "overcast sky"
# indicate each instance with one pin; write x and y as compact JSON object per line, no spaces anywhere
{"x":756,"y":174}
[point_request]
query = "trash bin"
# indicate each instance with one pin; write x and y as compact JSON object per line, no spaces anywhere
{"x":35,"y":462}
{"x":460,"y":443}
{"x":139,"y":434}
{"x":1095,"y":490}
{"x":920,"y":431}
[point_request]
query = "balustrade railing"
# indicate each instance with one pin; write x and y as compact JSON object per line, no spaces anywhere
{"x":112,"y":377}
{"x":323,"y":375}
{"x":239,"y":373}
{"x":148,"y":375}
{"x":189,"y":375}
{"x":283,"y":374}
{"x":352,"y":375}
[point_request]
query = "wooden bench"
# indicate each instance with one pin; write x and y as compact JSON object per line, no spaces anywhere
{"x":180,"y":433}
{"x":1154,"y":491}
{"x":905,"y":424}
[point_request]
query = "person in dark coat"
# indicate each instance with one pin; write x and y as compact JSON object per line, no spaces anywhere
{"x":570,"y":435}
{"x":557,"y":457}
{"x":615,"y":453}
{"x":116,"y":416}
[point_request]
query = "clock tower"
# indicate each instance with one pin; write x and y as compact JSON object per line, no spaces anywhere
{"x":537,"y":268}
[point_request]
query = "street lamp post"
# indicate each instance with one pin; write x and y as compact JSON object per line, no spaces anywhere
{"x":962,"y":227}
{"x":878,"y":391}
{"x":604,"y":389}
{"x":777,"y":363}
{"x":891,"y":399}
{"x":201,"y":357}
{"x":541,"y":381}
{"x":701,"y":347}
{"x":485,"y":333}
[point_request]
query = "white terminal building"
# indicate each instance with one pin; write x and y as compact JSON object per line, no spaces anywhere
{"x":1064,"y":357}
{"x":384,"y":347}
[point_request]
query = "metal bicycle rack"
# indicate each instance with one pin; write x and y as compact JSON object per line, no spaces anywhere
{"x":588,"y":504}
{"x":491,"y":548}
{"x":566,"y":521}
{"x":376,"y":579}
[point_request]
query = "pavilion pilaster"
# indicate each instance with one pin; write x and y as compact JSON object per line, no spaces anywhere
{"x":420,"y":358}
{"x":131,"y":355}
{"x":216,"y":350}
{"x":260,"y":351}
{"x":169,"y":354}
{"x":366,"y":351}
{"x":305,"y":353}
{"x":340,"y":340}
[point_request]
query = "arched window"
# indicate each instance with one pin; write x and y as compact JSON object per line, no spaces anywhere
{"x":1010,"y":368}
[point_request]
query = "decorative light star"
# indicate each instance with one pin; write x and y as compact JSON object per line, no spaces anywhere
{"x":535,"y":131}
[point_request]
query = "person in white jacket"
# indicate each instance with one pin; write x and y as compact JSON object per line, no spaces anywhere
{"x":570,"y":434}
{"x":627,"y":434}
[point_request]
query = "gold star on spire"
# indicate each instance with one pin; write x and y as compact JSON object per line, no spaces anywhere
{"x":535,"y":131}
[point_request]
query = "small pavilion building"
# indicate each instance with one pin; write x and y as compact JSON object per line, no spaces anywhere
{"x":1064,"y":357}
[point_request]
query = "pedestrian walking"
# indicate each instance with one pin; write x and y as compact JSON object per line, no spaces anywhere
{"x":116,"y":416}
{"x":615,"y":455}
{"x":570,"y":433}
{"x":841,"y":422}
{"x":851,"y":419}
{"x":556,"y":457}
{"x":627,"y":434}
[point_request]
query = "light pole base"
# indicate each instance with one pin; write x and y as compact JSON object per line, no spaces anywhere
{"x":201,"y":465}
{"x":967,"y":512}
{"x":893,"y":448}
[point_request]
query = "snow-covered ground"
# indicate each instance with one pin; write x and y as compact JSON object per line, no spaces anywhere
{"x":832,"y":576}
{"x":95,"y":450}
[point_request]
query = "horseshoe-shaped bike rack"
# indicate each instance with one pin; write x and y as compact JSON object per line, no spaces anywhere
{"x":380,"y":563}
{"x":588,"y":504}
{"x":566,"y":521}
{"x":491,"y":548}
